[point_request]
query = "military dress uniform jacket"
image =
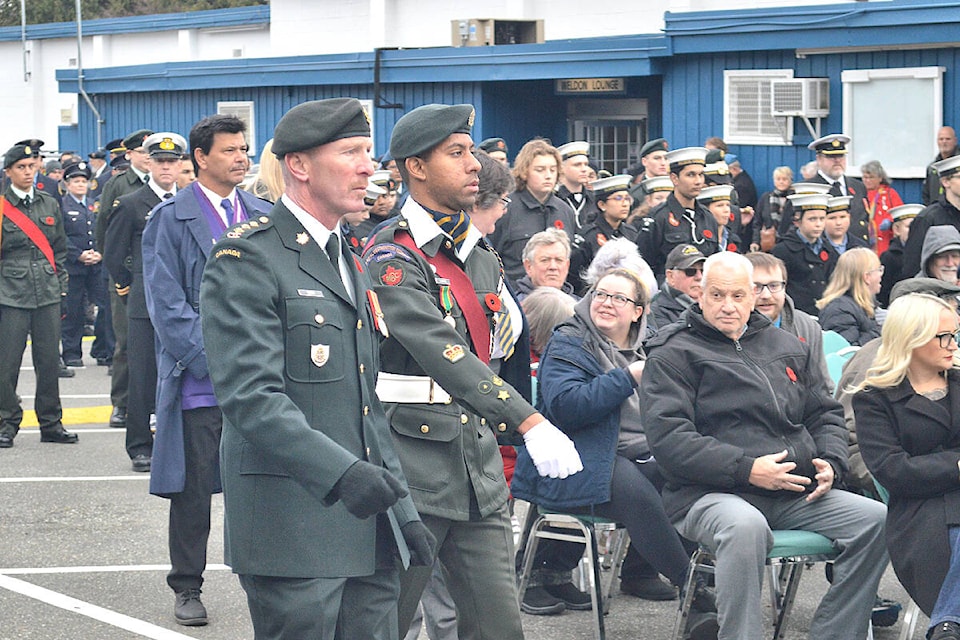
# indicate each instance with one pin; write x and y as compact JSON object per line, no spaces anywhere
{"x":27,"y":279}
{"x":79,"y":223}
{"x":671,"y":226}
{"x":294,"y":365}
{"x":123,"y":253}
{"x":526,"y":216}
{"x":448,"y":449}
{"x":177,"y":234}
{"x":120,"y":185}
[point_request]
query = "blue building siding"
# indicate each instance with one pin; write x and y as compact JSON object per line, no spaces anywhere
{"x":693,"y":101}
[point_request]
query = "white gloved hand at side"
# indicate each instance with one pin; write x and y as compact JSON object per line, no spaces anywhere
{"x":552,"y":452}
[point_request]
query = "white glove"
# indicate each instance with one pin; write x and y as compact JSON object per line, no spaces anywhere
{"x":552,"y":451}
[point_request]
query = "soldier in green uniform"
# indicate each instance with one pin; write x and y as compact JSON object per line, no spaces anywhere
{"x":127,"y":182}
{"x":33,"y":284}
{"x":440,"y":288}
{"x":317,"y":508}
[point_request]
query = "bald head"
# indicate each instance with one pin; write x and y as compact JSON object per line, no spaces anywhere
{"x":947,"y":141}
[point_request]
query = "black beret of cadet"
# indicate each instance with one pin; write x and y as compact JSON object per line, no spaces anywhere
{"x":427,"y":126}
{"x":318,"y":122}
{"x":18,"y":152}
{"x":135,"y":139}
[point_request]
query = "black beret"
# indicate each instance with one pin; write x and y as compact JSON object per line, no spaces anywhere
{"x":99,"y":154}
{"x":36,"y":143}
{"x":120,"y":162}
{"x":135,"y":139}
{"x":427,"y":126}
{"x":76,"y":170}
{"x":493,"y":144}
{"x":318,"y":122}
{"x":18,"y":152}
{"x":654,"y":145}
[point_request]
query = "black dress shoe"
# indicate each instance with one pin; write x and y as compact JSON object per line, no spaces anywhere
{"x":140,"y":462}
{"x":188,"y":610}
{"x":58,"y":434}
{"x":118,"y":419}
{"x":702,"y":626}
{"x":537,"y":602}
{"x":6,"y":440}
{"x":649,"y":588}
{"x":572,"y":598}
{"x":76,"y":364}
{"x":945,"y":631}
{"x":104,"y":362}
{"x":65,"y":372}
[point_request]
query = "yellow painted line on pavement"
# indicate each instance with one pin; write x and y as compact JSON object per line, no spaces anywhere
{"x":77,"y":415}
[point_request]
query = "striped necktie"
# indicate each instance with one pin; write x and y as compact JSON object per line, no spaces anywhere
{"x":456,"y":226}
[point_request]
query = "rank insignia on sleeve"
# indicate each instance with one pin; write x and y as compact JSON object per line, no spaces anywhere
{"x":303,"y":238}
{"x":484,"y":387}
{"x":319,"y":354}
{"x":454,"y":352}
{"x":391,"y":275}
{"x":503,"y":395}
{"x":227,"y":251}
{"x":497,"y":381}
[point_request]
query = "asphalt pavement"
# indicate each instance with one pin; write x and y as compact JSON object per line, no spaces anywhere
{"x":85,"y":556}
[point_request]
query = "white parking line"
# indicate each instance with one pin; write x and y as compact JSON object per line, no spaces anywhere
{"x":139,"y":476}
{"x":119,"y":620}
{"x":24,"y":571}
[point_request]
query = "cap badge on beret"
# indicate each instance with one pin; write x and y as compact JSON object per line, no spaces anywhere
{"x":27,"y":151}
{"x":472,"y":117}
{"x":366,"y":114}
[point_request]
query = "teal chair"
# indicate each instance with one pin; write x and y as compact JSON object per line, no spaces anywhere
{"x":833,"y":342}
{"x":792,"y":550}
{"x":544,"y":524}
{"x":912,"y":614}
{"x":836,"y":361}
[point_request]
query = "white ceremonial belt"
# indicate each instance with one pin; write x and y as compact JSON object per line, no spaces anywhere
{"x":396,"y":387}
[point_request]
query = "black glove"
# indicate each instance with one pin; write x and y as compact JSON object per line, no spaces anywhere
{"x":366,"y":489}
{"x":420,"y":542}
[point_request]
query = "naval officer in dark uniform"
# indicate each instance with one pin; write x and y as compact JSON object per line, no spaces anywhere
{"x":831,"y":165}
{"x":442,"y":290}
{"x":33,"y":284}
{"x":318,"y":515}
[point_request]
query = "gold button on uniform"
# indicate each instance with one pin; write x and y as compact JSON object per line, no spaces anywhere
{"x":483,"y":422}
{"x":464,"y":419}
{"x":362,"y":368}
{"x":424,"y":428}
{"x":501,"y":427}
{"x":359,"y":324}
{"x":368,"y":452}
{"x":366,"y":410}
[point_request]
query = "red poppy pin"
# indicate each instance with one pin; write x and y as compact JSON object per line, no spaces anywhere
{"x":707,"y":234}
{"x":601,"y":239}
{"x":493,"y":302}
{"x":824,"y":255}
{"x":558,"y":224}
{"x":791,"y":374}
{"x":391,"y":276}
{"x":672,"y":220}
{"x":802,"y":339}
{"x":732,"y":218}
{"x":39,"y":185}
{"x":49,"y":220}
{"x":354,"y":242}
{"x":732,"y":247}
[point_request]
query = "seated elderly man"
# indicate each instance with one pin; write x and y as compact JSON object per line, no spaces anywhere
{"x":546,"y":259}
{"x":738,"y":421}
{"x":681,"y":285}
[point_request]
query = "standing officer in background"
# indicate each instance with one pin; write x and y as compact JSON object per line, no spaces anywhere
{"x":83,"y":263}
{"x":127,"y":182}
{"x":122,"y":246}
{"x":177,"y":241}
{"x":33,"y":284}
{"x":431,"y":271}
{"x":831,"y":165}
{"x":317,"y":508}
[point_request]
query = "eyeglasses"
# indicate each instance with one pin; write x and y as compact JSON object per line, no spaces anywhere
{"x":946,"y":338}
{"x":692,"y":271}
{"x":773,"y":287}
{"x":505,"y":201}
{"x":879,"y":270}
{"x":617,"y":300}
{"x":621,"y":198}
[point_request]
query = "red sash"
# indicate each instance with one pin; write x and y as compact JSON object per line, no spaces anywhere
{"x":463,"y":293}
{"x":30,"y":228}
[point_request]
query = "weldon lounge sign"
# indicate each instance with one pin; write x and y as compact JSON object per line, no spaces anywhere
{"x":591,"y":85}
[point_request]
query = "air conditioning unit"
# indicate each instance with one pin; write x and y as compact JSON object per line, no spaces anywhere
{"x":803,"y":97}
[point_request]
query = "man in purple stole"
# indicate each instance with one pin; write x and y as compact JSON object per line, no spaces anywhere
{"x":176,"y":244}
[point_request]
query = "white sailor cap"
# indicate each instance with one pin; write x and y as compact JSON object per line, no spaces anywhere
{"x":606,"y":186}
{"x":834,"y":144}
{"x":810,"y":187}
{"x":716,"y":193}
{"x":947,"y":166}
{"x":838,"y":203}
{"x":687,"y":155}
{"x":657,"y":183}
{"x":575,"y":148}
{"x":905,"y":211}
{"x":809,"y":201}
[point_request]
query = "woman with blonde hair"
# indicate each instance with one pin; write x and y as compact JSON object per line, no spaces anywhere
{"x":908,"y":426}
{"x":848,"y":305}
{"x":268,"y":183}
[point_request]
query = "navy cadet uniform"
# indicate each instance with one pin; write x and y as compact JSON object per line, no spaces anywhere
{"x":582,"y":202}
{"x":291,"y":331}
{"x":446,"y":405}
{"x":939,"y":212}
{"x":79,"y":221}
{"x":33,"y":283}
{"x":727,"y":237}
{"x":594,"y":235}
{"x":809,"y":266}
{"x":673,"y":224}
{"x":120,"y":185}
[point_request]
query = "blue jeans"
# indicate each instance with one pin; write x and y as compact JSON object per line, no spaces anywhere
{"x":947,"y":608}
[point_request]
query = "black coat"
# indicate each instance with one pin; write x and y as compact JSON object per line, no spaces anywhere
{"x":671,"y":227}
{"x":912,"y":446}
{"x":807,"y":273}
{"x":850,"y":320}
{"x":122,"y":251}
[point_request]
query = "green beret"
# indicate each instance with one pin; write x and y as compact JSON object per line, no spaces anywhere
{"x":135,"y":139}
{"x":18,"y":152}
{"x":318,"y":122}
{"x":652,"y":146}
{"x":427,"y":126}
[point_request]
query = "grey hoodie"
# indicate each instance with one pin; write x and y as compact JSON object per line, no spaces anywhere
{"x":937,"y":238}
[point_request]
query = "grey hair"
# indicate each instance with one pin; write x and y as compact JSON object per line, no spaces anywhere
{"x":620,"y":253}
{"x":544,"y":239}
{"x":545,"y":308}
{"x":727,"y":259}
{"x":874,"y":168}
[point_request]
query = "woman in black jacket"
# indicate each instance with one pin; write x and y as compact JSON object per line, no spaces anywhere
{"x":908,"y":424}
{"x":849,"y":302}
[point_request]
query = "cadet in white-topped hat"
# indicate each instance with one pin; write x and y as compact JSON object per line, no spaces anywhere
{"x":809,"y":258}
{"x":574,"y":176}
{"x":680,"y":219}
{"x":810,"y":187}
{"x":613,"y":202}
{"x":945,"y":210}
{"x":717,"y":198}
